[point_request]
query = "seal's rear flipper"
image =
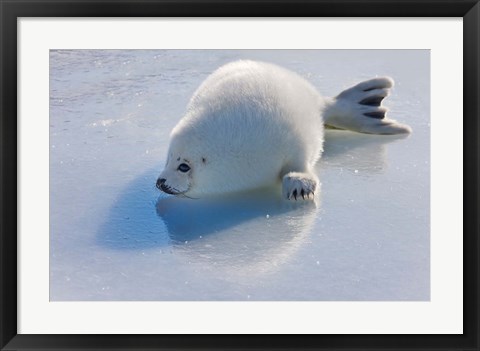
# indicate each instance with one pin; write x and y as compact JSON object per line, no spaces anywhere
{"x":360,"y":109}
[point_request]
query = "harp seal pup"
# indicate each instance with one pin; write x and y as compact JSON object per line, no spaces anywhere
{"x":251,"y":124}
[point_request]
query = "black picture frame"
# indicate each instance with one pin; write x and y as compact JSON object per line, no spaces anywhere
{"x":11,"y":10}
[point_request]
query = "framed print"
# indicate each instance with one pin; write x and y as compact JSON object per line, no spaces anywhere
{"x":218,"y":175}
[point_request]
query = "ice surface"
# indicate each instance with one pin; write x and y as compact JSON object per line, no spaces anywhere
{"x":115,"y":237}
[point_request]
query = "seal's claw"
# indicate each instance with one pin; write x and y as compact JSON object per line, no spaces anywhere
{"x":299,"y":184}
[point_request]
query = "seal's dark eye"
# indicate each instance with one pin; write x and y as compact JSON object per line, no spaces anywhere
{"x":184,"y":168}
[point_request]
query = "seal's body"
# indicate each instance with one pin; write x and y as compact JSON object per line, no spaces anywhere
{"x":251,"y":124}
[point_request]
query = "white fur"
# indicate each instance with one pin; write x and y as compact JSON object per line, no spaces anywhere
{"x":251,"y":124}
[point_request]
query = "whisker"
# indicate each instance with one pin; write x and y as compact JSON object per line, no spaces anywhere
{"x":182,"y":194}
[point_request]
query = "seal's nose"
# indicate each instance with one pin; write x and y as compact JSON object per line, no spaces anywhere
{"x":160,"y":182}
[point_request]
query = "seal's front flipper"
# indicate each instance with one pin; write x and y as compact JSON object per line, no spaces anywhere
{"x":299,"y":186}
{"x":360,"y":109}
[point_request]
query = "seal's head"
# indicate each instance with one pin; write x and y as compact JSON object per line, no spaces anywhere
{"x":176,"y":178}
{"x":185,"y":171}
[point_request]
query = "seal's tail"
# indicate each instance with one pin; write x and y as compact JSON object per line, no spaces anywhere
{"x":359,"y":108}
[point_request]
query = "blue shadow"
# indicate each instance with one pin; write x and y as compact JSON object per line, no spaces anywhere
{"x":142,"y":217}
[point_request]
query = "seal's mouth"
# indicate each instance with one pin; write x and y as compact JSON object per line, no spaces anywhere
{"x":168,"y":189}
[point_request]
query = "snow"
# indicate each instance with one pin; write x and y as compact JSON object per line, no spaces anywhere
{"x":114,"y":236}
